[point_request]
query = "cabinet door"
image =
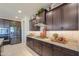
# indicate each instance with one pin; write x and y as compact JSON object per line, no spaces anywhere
{"x":38,"y":47}
{"x":70,"y":21}
{"x":47,"y":49}
{"x":49,"y":21}
{"x":30,"y":42}
{"x":27,"y":41}
{"x":42,"y":17}
{"x":78,"y":14}
{"x":57,"y":51}
{"x":57,"y":19}
{"x":78,"y":53}
{"x":32,"y":25}
{"x":60,"y":51}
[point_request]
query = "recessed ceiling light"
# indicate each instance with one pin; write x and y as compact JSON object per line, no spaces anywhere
{"x":19,"y":11}
{"x":16,"y":17}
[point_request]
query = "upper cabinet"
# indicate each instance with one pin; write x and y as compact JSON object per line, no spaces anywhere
{"x":53,"y":19}
{"x":41,"y":18}
{"x":70,"y":21}
{"x":32,"y":25}
{"x":57,"y":19}
{"x":63,"y":17}
{"x":49,"y":20}
{"x":78,"y":15}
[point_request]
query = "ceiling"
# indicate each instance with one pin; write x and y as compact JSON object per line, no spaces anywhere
{"x":10,"y":10}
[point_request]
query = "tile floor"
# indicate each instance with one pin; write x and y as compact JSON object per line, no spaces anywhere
{"x":17,"y":50}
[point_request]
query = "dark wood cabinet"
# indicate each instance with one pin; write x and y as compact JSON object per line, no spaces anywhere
{"x":41,"y":18}
{"x":57,"y":51}
{"x":64,"y":17}
{"x":38,"y":47}
{"x":57,"y":19}
{"x":47,"y":49}
{"x":54,"y":19}
{"x":60,"y":51}
{"x":32,"y":25}
{"x":30,"y":42}
{"x":70,"y":21}
{"x":78,"y":14}
{"x":49,"y":21}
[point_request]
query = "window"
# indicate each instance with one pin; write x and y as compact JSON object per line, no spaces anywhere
{"x":3,"y":30}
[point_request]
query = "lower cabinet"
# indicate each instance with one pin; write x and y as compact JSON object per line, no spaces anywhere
{"x":46,"y":49}
{"x":60,"y":51}
{"x":78,"y":54}
{"x":38,"y":47}
{"x":30,"y":42}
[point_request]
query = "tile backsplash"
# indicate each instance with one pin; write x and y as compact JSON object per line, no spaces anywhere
{"x":68,"y":34}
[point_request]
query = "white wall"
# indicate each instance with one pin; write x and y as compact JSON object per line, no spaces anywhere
{"x":25,"y":28}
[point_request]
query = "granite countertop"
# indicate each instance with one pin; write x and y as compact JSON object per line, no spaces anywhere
{"x":69,"y":45}
{"x":1,"y":40}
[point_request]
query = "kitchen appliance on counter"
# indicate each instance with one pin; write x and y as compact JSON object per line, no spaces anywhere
{"x":43,"y":33}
